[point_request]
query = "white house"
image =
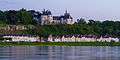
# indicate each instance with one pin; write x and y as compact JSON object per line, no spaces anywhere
{"x":57,"y":39}
{"x":115,"y":39}
{"x":23,"y":38}
{"x":50,"y":38}
{"x":63,"y":38}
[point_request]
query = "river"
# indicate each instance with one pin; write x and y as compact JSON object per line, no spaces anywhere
{"x":59,"y":53}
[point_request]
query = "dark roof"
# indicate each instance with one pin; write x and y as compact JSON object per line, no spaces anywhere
{"x":67,"y":16}
{"x":46,"y":12}
{"x":56,"y":18}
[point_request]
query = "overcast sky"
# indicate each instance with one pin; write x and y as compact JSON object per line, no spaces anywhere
{"x":90,"y":9}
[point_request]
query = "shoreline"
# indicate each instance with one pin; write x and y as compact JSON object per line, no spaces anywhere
{"x":59,"y":43}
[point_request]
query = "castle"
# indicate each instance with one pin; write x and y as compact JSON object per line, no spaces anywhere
{"x":48,"y":19}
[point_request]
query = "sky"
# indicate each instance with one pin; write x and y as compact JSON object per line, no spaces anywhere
{"x":88,"y":9}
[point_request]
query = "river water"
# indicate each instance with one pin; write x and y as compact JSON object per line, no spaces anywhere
{"x":59,"y":53}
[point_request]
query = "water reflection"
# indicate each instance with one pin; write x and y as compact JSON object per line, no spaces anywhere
{"x":59,"y":53}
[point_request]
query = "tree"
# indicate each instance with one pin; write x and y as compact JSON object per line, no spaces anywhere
{"x":91,"y":22}
{"x":81,"y":21}
{"x":24,"y":17}
{"x":2,"y":18}
{"x":11,"y":16}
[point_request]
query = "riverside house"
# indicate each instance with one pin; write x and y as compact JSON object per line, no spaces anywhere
{"x":22,"y":38}
{"x":81,"y":38}
{"x":61,"y":38}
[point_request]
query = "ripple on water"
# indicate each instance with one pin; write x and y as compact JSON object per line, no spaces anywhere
{"x":59,"y":53}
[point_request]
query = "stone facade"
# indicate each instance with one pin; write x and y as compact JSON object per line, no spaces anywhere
{"x":48,"y":19}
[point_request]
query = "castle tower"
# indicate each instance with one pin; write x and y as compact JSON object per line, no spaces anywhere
{"x":67,"y":17}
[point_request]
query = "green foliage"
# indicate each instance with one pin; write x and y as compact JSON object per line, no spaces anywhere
{"x":98,"y":28}
{"x":16,"y":17}
{"x":24,"y":17}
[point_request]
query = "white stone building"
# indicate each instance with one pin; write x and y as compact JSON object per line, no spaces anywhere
{"x":48,"y":19}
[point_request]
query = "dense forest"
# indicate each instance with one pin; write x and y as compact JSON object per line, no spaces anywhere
{"x":92,"y":27}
